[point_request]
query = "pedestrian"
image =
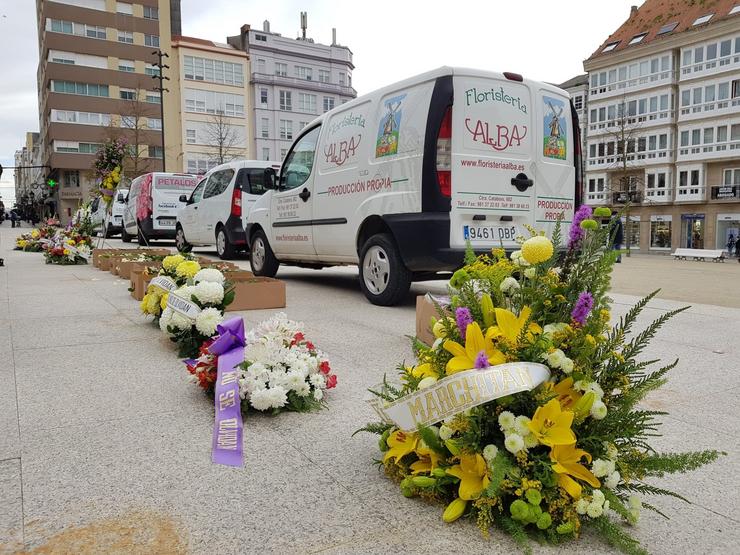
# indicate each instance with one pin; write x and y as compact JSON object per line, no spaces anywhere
{"x":730,"y":244}
{"x":616,"y":232}
{"x":14,"y":218}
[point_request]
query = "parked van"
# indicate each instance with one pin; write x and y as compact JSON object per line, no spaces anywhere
{"x":152,"y":205}
{"x":399,"y":180}
{"x":216,"y":211}
{"x":112,"y":224}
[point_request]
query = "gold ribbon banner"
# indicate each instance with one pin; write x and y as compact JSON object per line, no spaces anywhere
{"x":458,"y":393}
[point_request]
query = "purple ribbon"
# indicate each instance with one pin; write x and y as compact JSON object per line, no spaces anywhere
{"x":227,"y":432}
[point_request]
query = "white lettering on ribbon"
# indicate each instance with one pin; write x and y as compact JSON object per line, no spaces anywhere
{"x":460,"y":392}
{"x":180,"y":305}
{"x":164,"y":283}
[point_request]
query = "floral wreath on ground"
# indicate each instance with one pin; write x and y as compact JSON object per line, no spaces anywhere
{"x":571,"y":453}
{"x":180,"y":269}
{"x":31,"y":241}
{"x":282,"y":370}
{"x":69,"y":246}
{"x":211,"y":293}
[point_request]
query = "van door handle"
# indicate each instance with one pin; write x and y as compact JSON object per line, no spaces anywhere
{"x":304,"y":194}
{"x":522,"y":182}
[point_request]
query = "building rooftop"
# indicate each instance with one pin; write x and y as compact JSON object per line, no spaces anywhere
{"x":657,"y":19}
{"x":575,"y":81}
{"x":202,"y":42}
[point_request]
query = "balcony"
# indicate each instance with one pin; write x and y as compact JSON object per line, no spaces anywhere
{"x":709,"y":151}
{"x":311,"y":85}
{"x":624,"y":197}
{"x":658,"y":195}
{"x":725,"y":192}
{"x":730,"y":62}
{"x":634,"y":159}
{"x":595,"y":199}
{"x":643,"y":121}
{"x":715,"y":108}
{"x":691,"y":193}
{"x":626,"y":86}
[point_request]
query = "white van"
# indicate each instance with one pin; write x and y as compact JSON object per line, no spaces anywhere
{"x":113,"y":223}
{"x":217,"y":210}
{"x":152,"y":205}
{"x":397,"y":181}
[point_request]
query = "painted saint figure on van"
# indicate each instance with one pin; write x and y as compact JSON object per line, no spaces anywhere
{"x":390,"y":124}
{"x":555,"y":130}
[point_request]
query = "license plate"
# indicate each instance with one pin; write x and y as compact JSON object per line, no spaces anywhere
{"x":167,"y":222}
{"x":118,"y":219}
{"x":490,"y":233}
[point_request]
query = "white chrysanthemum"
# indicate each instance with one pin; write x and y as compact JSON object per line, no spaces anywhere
{"x":317,"y":380}
{"x":429,"y":381}
{"x":581,"y":506}
{"x":208,"y":292}
{"x":611,"y":450}
{"x":508,"y":285}
{"x":634,"y":502}
{"x":260,"y":399}
{"x":489,"y":452}
{"x":514,"y":443}
{"x":303,"y":391}
{"x":185,"y":292}
{"x":555,"y":358}
{"x":596,"y":388}
{"x":506,"y":420}
{"x":521,"y":425}
{"x":318,"y":394}
{"x":612,"y":480}
{"x":567,"y":365}
{"x":278,"y":397}
{"x":165,"y":319}
{"x":598,"y":497}
{"x":550,"y":329}
{"x":598,"y":410}
{"x":294,"y":380}
{"x":180,"y":322}
{"x":207,"y":321}
{"x":529,"y":273}
{"x":530,"y":441}
{"x":209,"y":274}
{"x":445,"y":432}
{"x":594,"y":510}
{"x":600,"y":468}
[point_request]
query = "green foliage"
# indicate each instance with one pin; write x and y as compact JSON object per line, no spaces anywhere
{"x":469,"y":253}
{"x":615,"y":536}
{"x":500,"y":467}
{"x":378,"y":428}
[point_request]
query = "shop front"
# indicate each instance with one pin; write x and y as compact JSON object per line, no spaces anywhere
{"x":728,"y":230}
{"x":692,"y":231}
{"x":660,"y":232}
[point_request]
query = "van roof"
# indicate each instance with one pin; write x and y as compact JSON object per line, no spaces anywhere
{"x":238,"y":164}
{"x":430,"y":76}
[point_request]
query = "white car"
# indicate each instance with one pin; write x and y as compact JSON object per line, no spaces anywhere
{"x":216,"y":212}
{"x":152,"y":205}
{"x":114,"y":221}
{"x":398,"y":181}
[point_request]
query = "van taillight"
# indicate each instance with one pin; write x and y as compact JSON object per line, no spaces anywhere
{"x":444,"y":154}
{"x":236,"y":202}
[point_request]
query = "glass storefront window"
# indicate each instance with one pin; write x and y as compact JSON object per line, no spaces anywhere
{"x":728,"y":233}
{"x":692,"y":231}
{"x":632,"y":233}
{"x":660,"y":235}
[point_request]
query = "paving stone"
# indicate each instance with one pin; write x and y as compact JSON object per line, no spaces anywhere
{"x":11,"y":506}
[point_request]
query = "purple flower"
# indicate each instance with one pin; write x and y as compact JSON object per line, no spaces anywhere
{"x":576,"y":233}
{"x":463,"y":318}
{"x":583,"y":307}
{"x":481,"y":361}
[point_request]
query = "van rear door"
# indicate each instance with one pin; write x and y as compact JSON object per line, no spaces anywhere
{"x":493,"y":164}
{"x":166,"y":191}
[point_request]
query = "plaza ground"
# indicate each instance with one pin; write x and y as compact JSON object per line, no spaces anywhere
{"x":105,"y":447}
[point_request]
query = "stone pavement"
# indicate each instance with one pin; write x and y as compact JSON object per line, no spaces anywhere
{"x":105,"y":447}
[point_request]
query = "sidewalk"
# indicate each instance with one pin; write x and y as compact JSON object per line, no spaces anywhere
{"x":105,"y":447}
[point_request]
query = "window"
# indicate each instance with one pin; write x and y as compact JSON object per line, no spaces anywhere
{"x":71,"y":178}
{"x":259,"y":37}
{"x":126,"y":37}
{"x":723,"y":91}
{"x":152,"y":70}
{"x":328,"y":103}
{"x":126,"y":9}
{"x":213,"y":71}
{"x":703,"y":19}
{"x":637,"y":38}
{"x":85,"y":89}
{"x":660,"y":233}
{"x":265,"y":153}
{"x":307,"y":103}
{"x":708,"y":135}
{"x":735,"y":10}
{"x":286,"y":101}
{"x":127,"y":94}
{"x":151,"y":40}
{"x":324,"y":76}
{"x":190,"y":136}
{"x":212,"y":102}
{"x":155,"y":152}
{"x":263,"y":96}
{"x":697,"y":92}
{"x":724,"y":48}
{"x":83,"y":118}
{"x":286,"y":129}
{"x":341,"y":78}
{"x":74,"y":147}
{"x":151,"y":13}
{"x":257,"y":180}
{"x":578,"y":102}
{"x":128,"y":122}
{"x":722,"y":134}
{"x":79,"y":29}
{"x":684,"y":138}
{"x":303,"y":72}
{"x":153,"y":97}
{"x":299,"y":163}
{"x":154,"y":123}
{"x":126,"y":65}
{"x":686,"y":60}
{"x":735,"y":88}
{"x":218,"y":182}
{"x":667,"y":28}
{"x":611,"y":46}
{"x":63,"y":60}
{"x":696,"y":136}
{"x":712,"y":51}
{"x":281,"y":69}
{"x":265,"y":128}
{"x":261,"y":66}
{"x":698,"y":54}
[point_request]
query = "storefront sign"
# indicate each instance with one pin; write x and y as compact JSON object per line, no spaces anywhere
{"x":725,"y":192}
{"x":65,"y":195}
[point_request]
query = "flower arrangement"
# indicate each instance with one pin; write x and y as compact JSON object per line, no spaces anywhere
{"x":549,"y":459}
{"x":282,"y":370}
{"x":32,"y":241}
{"x":67,"y":247}
{"x":180,"y":268}
{"x":209,"y":292}
{"x":109,"y":166}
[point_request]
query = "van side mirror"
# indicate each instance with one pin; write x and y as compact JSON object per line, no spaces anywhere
{"x":269,"y":181}
{"x":183,"y":198}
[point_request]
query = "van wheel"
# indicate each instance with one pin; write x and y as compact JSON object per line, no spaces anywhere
{"x":125,"y":237}
{"x":180,"y":242}
{"x":108,"y":231}
{"x":384,"y":278}
{"x":261,"y":258}
{"x":224,"y":248}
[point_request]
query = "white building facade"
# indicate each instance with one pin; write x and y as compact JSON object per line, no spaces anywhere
{"x":292,"y":81}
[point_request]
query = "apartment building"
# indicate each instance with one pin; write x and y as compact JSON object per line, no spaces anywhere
{"x":578,"y":89}
{"x":96,"y":63}
{"x":663,"y":131}
{"x":211,"y":114}
{"x":291,"y":82}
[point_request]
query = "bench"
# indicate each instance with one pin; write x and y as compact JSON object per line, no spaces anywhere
{"x":716,"y":255}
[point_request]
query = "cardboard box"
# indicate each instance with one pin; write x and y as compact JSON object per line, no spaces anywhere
{"x":140,"y":278}
{"x":98,"y":253}
{"x":425,"y":311}
{"x":255,"y":293}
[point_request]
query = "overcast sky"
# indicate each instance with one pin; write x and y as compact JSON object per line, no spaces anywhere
{"x":390,"y":40}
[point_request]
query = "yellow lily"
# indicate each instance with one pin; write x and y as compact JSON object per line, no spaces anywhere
{"x":428,"y":459}
{"x":566,"y":395}
{"x":509,"y":326}
{"x":424,"y":371}
{"x":400,"y":444}
{"x":476,"y":348}
{"x":473,"y":475}
{"x":566,"y":463}
{"x":551,"y":425}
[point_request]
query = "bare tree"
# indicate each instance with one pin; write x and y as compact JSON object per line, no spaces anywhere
{"x":224,"y":138}
{"x":135,"y":121}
